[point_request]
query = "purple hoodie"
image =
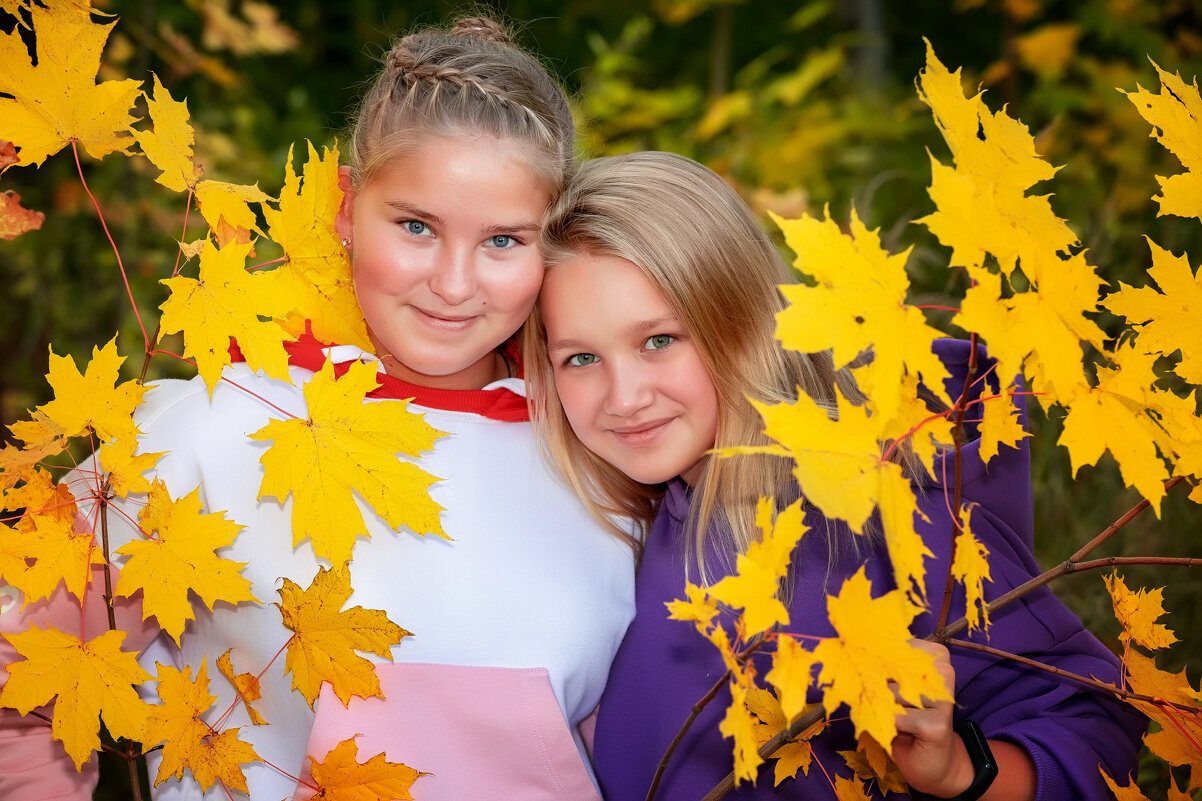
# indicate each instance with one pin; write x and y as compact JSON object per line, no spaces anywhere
{"x":664,"y":667}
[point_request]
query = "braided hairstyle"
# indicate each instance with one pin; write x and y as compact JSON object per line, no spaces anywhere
{"x":471,"y":80}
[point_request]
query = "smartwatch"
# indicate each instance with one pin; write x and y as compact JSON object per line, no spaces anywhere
{"x":983,"y":764}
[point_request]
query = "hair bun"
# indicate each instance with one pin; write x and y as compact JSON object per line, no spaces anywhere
{"x":481,"y":28}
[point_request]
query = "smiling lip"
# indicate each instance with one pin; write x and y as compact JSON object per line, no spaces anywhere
{"x":640,"y":434}
{"x":457,"y":323}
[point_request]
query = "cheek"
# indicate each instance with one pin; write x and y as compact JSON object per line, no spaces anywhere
{"x":576,"y":400}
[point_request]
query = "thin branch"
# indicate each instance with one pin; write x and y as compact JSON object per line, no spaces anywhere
{"x":958,"y":441}
{"x":120,"y":265}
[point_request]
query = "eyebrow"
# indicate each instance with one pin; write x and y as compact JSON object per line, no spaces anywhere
{"x":490,"y":230}
{"x":641,"y":327}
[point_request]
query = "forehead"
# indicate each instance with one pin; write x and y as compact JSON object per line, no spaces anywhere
{"x":590,"y":294}
{"x":408,"y":148}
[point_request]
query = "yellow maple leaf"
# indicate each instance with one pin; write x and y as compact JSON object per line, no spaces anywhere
{"x":326,"y":637}
{"x":226,"y":301}
{"x":1180,"y":727}
{"x":1026,"y":333}
{"x":1127,"y":792}
{"x":247,"y":685}
{"x":348,"y":446}
{"x":981,"y":205}
{"x":126,"y":468}
{"x":740,"y":725}
{"x":188,"y":741}
{"x":871,"y":656}
{"x":858,"y":304}
{"x":1000,"y":425}
{"x":42,"y":438}
{"x":1137,"y":613}
{"x":850,"y":789}
{"x":1167,"y":320}
{"x":220,"y":201}
{"x":839,"y":467}
{"x":1176,"y":117}
{"x":169,"y":144}
{"x":1116,"y":417}
{"x":870,"y":762}
{"x":758,"y":571}
{"x":94,"y":399}
{"x":970,"y":566}
{"x":792,"y":674}
{"x":316,"y":276}
{"x":698,"y":607}
{"x":91,"y":680}
{"x":182,"y":559}
{"x":46,"y":534}
{"x":770,"y":718}
{"x":58,"y":100}
{"x":341,"y":777}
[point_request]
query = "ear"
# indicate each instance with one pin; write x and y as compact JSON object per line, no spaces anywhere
{"x":344,"y":221}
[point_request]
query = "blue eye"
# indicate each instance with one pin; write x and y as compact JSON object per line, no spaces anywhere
{"x":416,"y":227}
{"x":502,"y":241}
{"x":659,"y":341}
{"x":581,"y":360}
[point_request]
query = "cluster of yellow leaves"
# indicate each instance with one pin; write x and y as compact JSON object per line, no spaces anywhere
{"x":346,"y":445}
{"x":1032,"y":299}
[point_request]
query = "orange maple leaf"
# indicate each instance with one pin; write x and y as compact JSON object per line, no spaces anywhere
{"x":188,"y":741}
{"x":247,"y":685}
{"x":169,"y":144}
{"x":94,"y":399}
{"x":182,"y":559}
{"x":58,"y":100}
{"x":46,"y":535}
{"x":15,"y":220}
{"x":226,"y":301}
{"x":871,"y":657}
{"x":91,"y":680}
{"x":341,"y":777}
{"x":348,"y":446}
{"x":326,"y":637}
{"x":870,"y":762}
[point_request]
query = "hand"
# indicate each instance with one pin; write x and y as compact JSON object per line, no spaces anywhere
{"x":930,"y":755}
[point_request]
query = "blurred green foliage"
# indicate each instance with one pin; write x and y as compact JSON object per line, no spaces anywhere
{"x":802,"y":106}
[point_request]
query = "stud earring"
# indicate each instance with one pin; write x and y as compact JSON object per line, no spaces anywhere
{"x":346,"y":242}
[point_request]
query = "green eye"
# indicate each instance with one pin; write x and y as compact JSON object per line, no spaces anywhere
{"x":659,"y":341}
{"x":581,"y":360}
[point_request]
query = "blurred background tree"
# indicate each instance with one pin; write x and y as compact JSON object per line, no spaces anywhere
{"x":801,"y":105}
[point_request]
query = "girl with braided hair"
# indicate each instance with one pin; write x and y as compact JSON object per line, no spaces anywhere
{"x":460,"y":144}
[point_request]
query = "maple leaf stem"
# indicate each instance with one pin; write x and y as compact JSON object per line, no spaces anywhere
{"x":150,"y":353}
{"x":958,"y":442}
{"x":120,"y":265}
{"x":254,"y":267}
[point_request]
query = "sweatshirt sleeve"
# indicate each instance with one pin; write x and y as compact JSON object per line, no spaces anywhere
{"x":1068,"y":728}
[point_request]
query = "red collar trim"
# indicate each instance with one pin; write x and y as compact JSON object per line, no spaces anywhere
{"x":499,"y":404}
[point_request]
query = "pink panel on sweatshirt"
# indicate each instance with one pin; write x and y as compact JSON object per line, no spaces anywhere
{"x":482,"y":732}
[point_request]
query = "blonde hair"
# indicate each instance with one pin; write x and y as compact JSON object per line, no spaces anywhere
{"x":470,"y":80}
{"x":702,"y":248}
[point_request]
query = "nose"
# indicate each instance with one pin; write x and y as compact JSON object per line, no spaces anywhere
{"x":454,"y":275}
{"x":630,"y":388}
